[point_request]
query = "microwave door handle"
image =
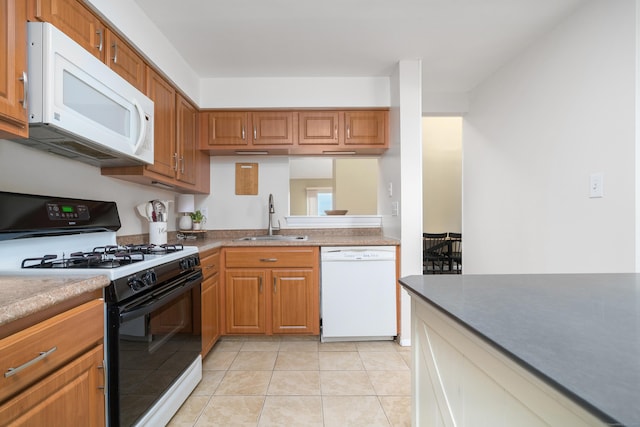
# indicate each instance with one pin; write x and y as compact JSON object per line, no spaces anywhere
{"x":143,"y":127}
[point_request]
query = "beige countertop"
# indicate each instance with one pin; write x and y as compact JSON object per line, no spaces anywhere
{"x":21,"y":296}
{"x":207,"y":243}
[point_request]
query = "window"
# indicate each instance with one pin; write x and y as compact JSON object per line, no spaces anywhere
{"x":319,"y":199}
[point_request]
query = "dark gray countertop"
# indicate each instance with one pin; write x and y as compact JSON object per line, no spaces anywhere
{"x":578,"y":332}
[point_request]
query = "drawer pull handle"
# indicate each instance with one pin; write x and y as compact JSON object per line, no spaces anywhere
{"x":268,"y":259}
{"x":43,"y":354}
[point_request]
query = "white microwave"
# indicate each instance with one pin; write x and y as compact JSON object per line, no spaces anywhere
{"x":80,"y":108}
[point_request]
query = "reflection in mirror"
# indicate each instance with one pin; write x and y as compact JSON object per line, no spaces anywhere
{"x":317,"y":185}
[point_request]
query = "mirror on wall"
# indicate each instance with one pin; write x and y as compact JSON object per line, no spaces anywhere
{"x":320,"y":186}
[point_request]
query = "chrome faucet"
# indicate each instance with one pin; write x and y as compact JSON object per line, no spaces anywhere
{"x":272,"y":210}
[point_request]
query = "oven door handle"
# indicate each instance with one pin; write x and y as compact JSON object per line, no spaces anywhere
{"x":156,"y":302}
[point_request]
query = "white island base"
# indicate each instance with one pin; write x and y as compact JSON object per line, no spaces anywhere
{"x":460,"y":380}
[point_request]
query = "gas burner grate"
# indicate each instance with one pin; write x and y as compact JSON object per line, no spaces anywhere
{"x":150,"y":249}
{"x":96,"y":259}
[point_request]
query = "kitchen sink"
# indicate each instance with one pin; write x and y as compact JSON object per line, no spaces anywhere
{"x":277,"y":238}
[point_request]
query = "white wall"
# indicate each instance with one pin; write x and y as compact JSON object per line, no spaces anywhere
{"x":400,"y":166}
{"x":26,"y":170}
{"x":137,"y":28}
{"x":534,"y":133}
{"x":356,"y":186}
{"x":228,"y":211}
{"x":442,"y":174}
{"x":295,"y":92}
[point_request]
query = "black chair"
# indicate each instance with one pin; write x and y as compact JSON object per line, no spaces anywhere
{"x":455,"y":253}
{"x":434,"y":253}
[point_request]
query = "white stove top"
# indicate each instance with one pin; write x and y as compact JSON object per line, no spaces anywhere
{"x":12,"y":252}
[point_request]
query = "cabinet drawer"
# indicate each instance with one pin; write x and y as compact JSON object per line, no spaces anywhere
{"x":270,"y":257}
{"x":210,"y":263}
{"x":63,"y":337}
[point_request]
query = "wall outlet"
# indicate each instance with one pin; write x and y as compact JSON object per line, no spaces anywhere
{"x":205,"y":212}
{"x":596,"y":185}
{"x":395,"y":208}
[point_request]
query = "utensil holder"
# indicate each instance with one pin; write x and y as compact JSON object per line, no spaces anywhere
{"x":157,"y":233}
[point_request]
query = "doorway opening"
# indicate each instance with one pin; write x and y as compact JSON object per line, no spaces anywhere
{"x":442,"y":194}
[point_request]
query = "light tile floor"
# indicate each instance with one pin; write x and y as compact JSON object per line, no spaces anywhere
{"x":298,"y":381}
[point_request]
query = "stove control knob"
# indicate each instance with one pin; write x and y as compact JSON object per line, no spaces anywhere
{"x":135,"y":284}
{"x":149,"y":278}
{"x":187,"y":263}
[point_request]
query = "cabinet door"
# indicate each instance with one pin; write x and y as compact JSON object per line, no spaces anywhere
{"x":210,"y":313}
{"x":76,"y":21}
{"x":227,"y":128}
{"x":365,"y":127}
{"x":186,"y":122}
{"x":164,"y":99}
{"x":295,"y":302}
{"x":13,"y":68}
{"x":72,"y":396}
{"x":273,"y":128}
{"x":245,"y":301}
{"x":318,"y":127}
{"x":122,"y":59}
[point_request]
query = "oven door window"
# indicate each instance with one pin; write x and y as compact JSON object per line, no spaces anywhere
{"x":155,"y":348}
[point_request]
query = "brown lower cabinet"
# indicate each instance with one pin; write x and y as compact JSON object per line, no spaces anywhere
{"x":64,"y":383}
{"x":210,"y":300}
{"x":271,"y":290}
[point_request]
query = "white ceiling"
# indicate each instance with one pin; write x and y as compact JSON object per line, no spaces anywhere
{"x":460,"y":42}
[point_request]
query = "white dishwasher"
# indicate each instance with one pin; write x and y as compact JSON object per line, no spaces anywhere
{"x":358,"y":293}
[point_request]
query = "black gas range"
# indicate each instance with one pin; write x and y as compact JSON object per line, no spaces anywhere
{"x":152,"y":327}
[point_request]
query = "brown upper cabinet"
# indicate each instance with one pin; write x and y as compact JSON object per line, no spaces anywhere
{"x":13,"y":69}
{"x":177,"y":164}
{"x":273,"y":128}
{"x":186,"y":134}
{"x":76,"y":21}
{"x":365,"y":127}
{"x":163,"y":95}
{"x":125,"y":61}
{"x":320,"y":127}
{"x":229,"y":132}
{"x":79,"y":23}
{"x":302,"y":132}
